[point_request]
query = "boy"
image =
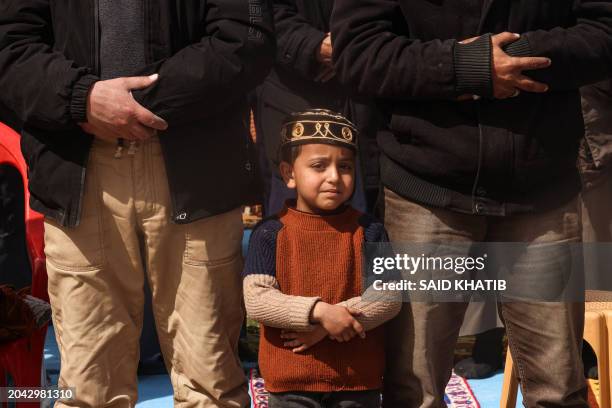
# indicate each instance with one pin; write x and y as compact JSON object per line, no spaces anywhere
{"x":303,"y":276}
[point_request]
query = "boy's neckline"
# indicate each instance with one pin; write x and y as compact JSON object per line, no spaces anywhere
{"x":292,"y":204}
{"x":338,"y":220}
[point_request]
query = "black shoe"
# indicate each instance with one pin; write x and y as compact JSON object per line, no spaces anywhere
{"x":469,"y":369}
{"x":486,"y":355}
{"x":592,"y":373}
{"x":589,"y":360}
{"x":152,"y":366}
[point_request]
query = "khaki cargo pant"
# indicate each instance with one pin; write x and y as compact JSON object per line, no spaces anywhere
{"x":96,"y":277}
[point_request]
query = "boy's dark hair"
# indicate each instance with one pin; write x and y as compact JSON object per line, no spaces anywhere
{"x":290,"y":153}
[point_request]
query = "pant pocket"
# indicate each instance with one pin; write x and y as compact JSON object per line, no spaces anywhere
{"x":78,"y":248}
{"x":215,"y":240}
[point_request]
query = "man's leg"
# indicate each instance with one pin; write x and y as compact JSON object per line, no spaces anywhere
{"x":596,"y":217}
{"x":422,"y":338}
{"x":195,"y":277}
{"x":595,"y":210}
{"x":545,"y":337}
{"x":95,"y":286}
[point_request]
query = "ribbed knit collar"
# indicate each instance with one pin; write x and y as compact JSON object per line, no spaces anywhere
{"x":316,"y":222}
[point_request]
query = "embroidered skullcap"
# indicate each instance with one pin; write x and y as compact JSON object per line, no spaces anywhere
{"x":318,"y":126}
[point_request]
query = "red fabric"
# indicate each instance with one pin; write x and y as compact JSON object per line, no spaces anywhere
{"x":22,"y":359}
{"x":321,"y":256}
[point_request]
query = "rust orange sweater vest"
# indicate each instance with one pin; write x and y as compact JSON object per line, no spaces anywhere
{"x":321,"y":256}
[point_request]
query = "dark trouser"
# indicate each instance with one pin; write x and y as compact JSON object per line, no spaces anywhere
{"x":595,"y":207}
{"x":14,"y":262}
{"x":346,"y":399}
{"x":545,"y":338}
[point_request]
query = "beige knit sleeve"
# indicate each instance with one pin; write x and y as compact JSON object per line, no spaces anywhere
{"x":380,"y":307}
{"x":266,"y":304}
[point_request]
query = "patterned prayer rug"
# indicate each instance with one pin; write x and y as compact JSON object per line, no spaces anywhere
{"x":458,"y":392}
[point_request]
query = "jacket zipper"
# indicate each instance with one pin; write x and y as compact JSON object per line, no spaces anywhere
{"x":146,"y":27}
{"x":177,"y":215}
{"x":96,"y":48}
{"x":480,"y":158}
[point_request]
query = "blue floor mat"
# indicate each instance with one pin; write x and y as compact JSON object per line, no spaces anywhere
{"x":488,"y":391}
{"x":155,"y":391}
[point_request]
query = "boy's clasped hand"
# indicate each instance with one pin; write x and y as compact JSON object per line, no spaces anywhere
{"x":334,"y":321}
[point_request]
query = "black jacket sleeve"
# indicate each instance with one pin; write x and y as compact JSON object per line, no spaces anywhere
{"x":581,"y":54}
{"x":297,"y":40}
{"x":204,"y":78}
{"x":374,"y":55}
{"x":40,"y":85}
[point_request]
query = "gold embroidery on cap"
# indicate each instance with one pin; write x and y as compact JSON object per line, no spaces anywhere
{"x":327,"y":125}
{"x":347,"y":133}
{"x":298,"y":130}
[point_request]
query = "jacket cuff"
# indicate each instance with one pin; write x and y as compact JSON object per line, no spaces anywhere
{"x":78,"y":101}
{"x":519,"y":48}
{"x":473,"y":67}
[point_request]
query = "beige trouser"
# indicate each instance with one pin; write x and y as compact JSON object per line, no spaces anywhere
{"x":96,"y":277}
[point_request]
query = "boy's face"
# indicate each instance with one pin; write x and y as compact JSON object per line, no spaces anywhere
{"x":323,"y":176}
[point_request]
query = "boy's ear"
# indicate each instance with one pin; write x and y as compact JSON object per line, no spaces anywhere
{"x":286,"y":171}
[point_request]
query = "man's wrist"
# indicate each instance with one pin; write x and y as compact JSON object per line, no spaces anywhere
{"x":473,"y":67}
{"x":80,"y":96}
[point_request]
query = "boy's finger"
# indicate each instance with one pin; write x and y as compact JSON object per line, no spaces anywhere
{"x":300,"y":349}
{"x":354,"y":312}
{"x":359,"y":329}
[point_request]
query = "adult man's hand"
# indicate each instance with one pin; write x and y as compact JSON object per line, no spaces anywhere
{"x":112,"y":111}
{"x":324,"y":52}
{"x":325,"y":74}
{"x":507,"y":71}
{"x":324,"y":56}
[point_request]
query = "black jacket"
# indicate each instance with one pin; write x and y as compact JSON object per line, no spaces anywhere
{"x":489,"y":157}
{"x":209,"y":54}
{"x":301,"y":26}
